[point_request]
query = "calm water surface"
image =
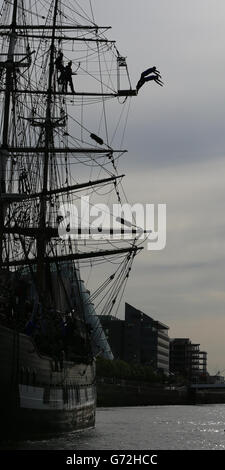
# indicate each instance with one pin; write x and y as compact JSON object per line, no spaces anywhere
{"x":152,"y":427}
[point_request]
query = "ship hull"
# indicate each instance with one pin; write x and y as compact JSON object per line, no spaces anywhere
{"x":40,"y":396}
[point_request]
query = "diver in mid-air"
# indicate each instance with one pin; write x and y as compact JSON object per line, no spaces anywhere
{"x":150,"y":74}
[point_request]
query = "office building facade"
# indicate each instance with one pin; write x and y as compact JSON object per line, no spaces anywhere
{"x":186,"y":359}
{"x":138,"y":339}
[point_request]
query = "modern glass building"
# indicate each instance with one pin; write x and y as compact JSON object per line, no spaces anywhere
{"x":138,"y":339}
{"x":146,"y":339}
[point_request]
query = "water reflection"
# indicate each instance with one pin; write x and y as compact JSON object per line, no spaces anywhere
{"x":156,"y":427}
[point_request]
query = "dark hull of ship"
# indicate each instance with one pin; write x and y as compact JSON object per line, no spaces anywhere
{"x":38,"y":395}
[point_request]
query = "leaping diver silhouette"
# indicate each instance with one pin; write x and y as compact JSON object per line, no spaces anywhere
{"x":150,"y":74}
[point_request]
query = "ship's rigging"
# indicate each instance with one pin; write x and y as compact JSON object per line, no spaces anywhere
{"x":62,"y":81}
{"x":53,"y":147}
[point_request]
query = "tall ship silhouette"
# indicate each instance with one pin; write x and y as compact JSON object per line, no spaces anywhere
{"x":62,"y":83}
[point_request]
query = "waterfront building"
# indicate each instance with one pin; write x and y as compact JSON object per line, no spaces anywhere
{"x":138,"y":339}
{"x":187,"y":360}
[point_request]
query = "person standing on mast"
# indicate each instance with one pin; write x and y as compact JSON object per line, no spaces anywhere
{"x":59,"y":66}
{"x":67,"y":78}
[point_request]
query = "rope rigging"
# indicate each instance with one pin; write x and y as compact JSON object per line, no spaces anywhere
{"x":83,"y":63}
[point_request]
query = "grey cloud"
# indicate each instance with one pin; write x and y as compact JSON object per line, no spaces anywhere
{"x":176,"y":142}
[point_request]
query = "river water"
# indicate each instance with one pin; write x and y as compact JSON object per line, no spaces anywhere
{"x":151,"y":427}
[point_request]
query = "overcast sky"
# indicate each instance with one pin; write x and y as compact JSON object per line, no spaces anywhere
{"x":176,"y":142}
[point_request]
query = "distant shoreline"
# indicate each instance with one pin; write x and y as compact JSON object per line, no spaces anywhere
{"x":146,"y":395}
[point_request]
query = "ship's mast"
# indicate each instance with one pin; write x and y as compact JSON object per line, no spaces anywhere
{"x":6,"y":114}
{"x":41,"y":240}
{"x":9,"y":76}
{"x":42,"y":148}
